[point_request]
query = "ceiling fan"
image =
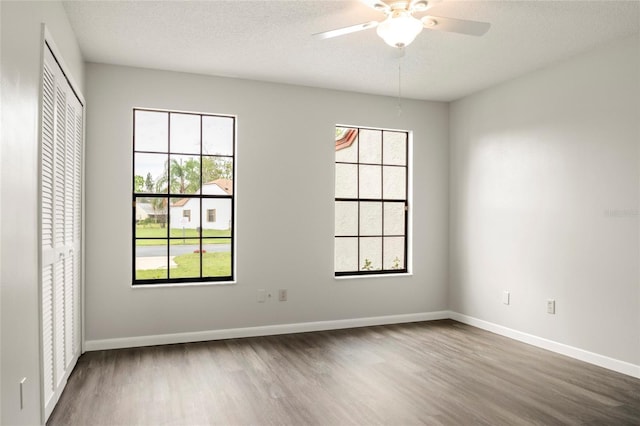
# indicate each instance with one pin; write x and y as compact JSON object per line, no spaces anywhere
{"x":400,"y":27}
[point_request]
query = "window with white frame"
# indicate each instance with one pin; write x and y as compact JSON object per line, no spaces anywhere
{"x":371,"y":201}
{"x":183,"y":169}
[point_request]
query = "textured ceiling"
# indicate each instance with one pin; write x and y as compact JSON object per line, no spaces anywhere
{"x":271,"y":41}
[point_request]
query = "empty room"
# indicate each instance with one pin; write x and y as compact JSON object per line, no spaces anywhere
{"x":333,"y":212}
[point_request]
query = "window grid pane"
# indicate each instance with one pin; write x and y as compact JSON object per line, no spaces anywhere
{"x":151,"y":131}
{"x":346,"y":223}
{"x":371,"y":201}
{"x":183,"y":197}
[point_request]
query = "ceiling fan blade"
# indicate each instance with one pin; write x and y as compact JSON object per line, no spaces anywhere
{"x":346,"y":30}
{"x":461,"y":26}
{"x":377,"y":5}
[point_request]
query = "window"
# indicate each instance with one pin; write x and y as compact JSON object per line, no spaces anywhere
{"x":371,"y":201}
{"x":211,"y":215}
{"x":183,"y":169}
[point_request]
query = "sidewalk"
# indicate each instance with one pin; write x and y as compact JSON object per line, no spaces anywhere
{"x":155,"y":262}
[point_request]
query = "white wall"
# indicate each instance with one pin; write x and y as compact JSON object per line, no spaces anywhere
{"x":296,"y":250}
{"x":544,"y":202}
{"x":21,"y":63}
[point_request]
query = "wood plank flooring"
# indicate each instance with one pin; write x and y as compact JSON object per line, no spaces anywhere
{"x":431,"y":373}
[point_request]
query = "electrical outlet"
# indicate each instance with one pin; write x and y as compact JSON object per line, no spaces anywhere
{"x":282,"y":295}
{"x":505,"y":297}
{"x":551,"y":306}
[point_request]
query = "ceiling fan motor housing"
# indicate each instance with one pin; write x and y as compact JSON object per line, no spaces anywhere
{"x":411,"y":6}
{"x":400,"y":28}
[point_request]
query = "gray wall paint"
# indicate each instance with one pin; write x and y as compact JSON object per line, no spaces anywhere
{"x":536,"y":164}
{"x":544,"y":202}
{"x":21,"y":63}
{"x":285,"y":206}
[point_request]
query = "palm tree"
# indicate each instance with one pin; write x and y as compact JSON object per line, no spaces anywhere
{"x":182,"y":177}
{"x":160,"y":210}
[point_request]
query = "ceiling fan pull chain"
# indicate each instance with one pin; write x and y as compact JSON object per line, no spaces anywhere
{"x":400,"y":81}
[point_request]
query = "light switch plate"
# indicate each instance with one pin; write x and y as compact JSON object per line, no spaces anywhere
{"x":551,"y":306}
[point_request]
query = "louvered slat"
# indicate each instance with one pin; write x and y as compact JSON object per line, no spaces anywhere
{"x":77,"y":271}
{"x":77,"y":220}
{"x":69,"y":300}
{"x":47,"y":158}
{"x":47,"y":331}
{"x":77,"y":232}
{"x":69,"y":184}
{"x":59,"y":166}
{"x":59,"y":334}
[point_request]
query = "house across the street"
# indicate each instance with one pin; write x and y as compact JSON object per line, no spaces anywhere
{"x":146,"y":211}
{"x":216,"y":212}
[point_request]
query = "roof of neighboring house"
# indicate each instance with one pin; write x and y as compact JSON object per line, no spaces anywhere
{"x":181,"y":202}
{"x":225,"y":184}
{"x":347,"y":139}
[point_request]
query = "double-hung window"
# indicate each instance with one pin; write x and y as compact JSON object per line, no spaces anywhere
{"x":371,"y":201}
{"x":183,"y":170}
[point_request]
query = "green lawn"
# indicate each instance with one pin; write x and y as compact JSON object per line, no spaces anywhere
{"x":155,"y":231}
{"x":214,"y":265}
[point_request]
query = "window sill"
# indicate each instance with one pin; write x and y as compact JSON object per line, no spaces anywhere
{"x":358,"y":277}
{"x":194,"y":284}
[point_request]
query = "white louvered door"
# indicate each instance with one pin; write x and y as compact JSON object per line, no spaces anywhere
{"x":61,"y":226}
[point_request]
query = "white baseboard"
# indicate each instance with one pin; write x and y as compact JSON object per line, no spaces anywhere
{"x":570,"y":351}
{"x":268,"y":330}
{"x":271,"y":330}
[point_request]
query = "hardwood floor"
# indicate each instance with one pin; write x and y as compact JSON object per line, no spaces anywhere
{"x":433,"y":373}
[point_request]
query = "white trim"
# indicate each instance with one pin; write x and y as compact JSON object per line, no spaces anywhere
{"x":44,"y":36}
{"x":48,"y":39}
{"x":561,"y":348}
{"x":268,"y":330}
{"x":83,"y":231}
{"x":271,"y":330}
{"x":359,"y":277}
{"x":191,"y":284}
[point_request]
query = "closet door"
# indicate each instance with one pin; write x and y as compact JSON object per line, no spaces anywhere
{"x":61,"y":225}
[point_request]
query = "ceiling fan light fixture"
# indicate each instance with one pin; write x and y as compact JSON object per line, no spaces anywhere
{"x":399,"y":29}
